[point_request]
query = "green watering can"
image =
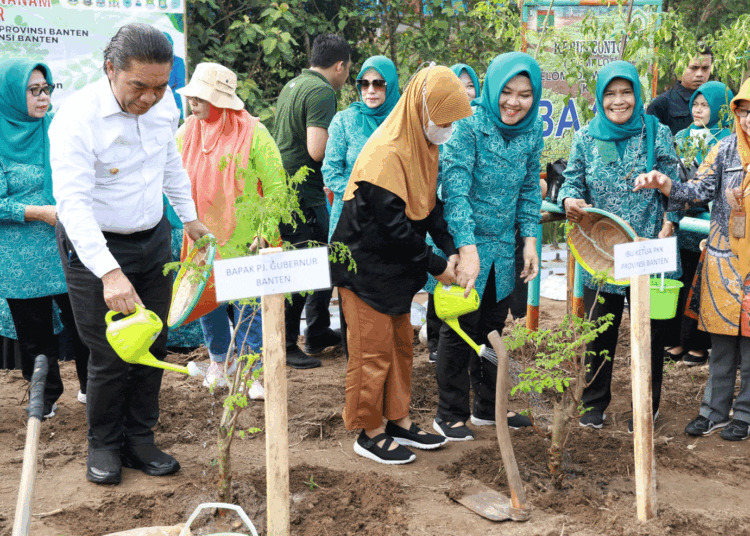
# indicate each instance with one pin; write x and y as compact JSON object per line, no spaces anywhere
{"x":450,"y":304}
{"x":131,"y":338}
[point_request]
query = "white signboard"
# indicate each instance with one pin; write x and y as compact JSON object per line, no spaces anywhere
{"x":647,"y":257}
{"x":261,"y":275}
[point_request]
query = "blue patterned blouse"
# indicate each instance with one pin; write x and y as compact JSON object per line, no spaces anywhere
{"x":489,"y":184}
{"x":609,"y":185}
{"x":31,"y":266}
{"x":345,"y":142}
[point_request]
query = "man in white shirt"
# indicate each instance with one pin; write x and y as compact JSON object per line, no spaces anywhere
{"x":113,"y":153}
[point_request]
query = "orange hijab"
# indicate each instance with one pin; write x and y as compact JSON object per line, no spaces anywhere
{"x":397,"y":156}
{"x":740,"y":246}
{"x":226,"y":133}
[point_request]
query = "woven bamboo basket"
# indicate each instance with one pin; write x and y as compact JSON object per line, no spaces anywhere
{"x":592,"y":241}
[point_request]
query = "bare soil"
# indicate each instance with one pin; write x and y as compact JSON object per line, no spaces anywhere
{"x":703,"y":484}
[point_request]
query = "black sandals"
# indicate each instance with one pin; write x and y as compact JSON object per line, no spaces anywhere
{"x":368,"y":448}
{"x":413,"y":438}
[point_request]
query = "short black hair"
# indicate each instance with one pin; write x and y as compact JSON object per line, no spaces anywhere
{"x":139,"y":42}
{"x":328,"y":50}
{"x":705,"y":50}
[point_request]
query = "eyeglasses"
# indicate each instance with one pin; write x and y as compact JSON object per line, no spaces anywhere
{"x":742,"y":112}
{"x":38,"y":90}
{"x":377,"y":84}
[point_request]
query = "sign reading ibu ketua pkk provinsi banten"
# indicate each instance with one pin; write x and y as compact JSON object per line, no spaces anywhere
{"x":646,"y":257}
{"x":261,"y":275}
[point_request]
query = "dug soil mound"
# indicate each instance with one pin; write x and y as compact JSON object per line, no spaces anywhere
{"x":703,"y":484}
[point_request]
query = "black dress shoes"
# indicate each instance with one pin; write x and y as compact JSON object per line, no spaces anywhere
{"x":104,"y":466}
{"x":149,"y":459}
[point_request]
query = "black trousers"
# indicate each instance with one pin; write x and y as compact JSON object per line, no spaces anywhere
{"x":683,"y":330}
{"x":316,"y":304}
{"x":32,"y":318}
{"x":459,"y":368}
{"x":599,"y":394}
{"x":122,"y":399}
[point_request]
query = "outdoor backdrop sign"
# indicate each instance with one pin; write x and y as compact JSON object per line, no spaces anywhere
{"x":70,"y":35}
{"x":561,"y":119}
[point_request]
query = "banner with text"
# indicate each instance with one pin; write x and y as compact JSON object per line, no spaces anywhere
{"x":70,"y":36}
{"x":564,"y":31}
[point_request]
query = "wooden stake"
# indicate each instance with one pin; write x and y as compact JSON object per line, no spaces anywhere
{"x":277,"y":439}
{"x":643,"y":419}
{"x":517,"y":493}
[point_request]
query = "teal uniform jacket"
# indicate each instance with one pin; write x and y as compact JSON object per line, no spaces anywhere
{"x":606,"y":187}
{"x":488,"y":185}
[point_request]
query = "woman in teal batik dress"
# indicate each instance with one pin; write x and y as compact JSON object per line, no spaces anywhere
{"x":350,"y":129}
{"x":620,"y":143}
{"x":490,"y":173}
{"x":31,"y":275}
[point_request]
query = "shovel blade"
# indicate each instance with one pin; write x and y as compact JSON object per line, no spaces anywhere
{"x":491,"y":504}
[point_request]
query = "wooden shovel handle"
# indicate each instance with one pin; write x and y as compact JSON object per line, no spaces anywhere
{"x":517,"y":493}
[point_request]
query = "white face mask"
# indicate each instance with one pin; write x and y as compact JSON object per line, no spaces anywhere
{"x":433,"y":133}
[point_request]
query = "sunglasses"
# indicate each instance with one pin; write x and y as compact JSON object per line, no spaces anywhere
{"x":38,"y":90}
{"x":377,"y":84}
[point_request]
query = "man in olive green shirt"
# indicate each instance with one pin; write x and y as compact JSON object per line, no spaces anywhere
{"x":304,"y":110}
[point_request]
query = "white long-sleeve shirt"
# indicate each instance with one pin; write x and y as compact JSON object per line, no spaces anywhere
{"x":109,"y":169}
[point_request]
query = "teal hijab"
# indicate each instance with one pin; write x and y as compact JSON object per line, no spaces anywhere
{"x":371,"y":118}
{"x":499,"y":73}
{"x":463,"y":68}
{"x":604,"y":130}
{"x":717,"y":95}
{"x":24,"y":138}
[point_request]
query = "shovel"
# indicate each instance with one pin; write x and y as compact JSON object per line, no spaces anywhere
{"x":479,"y":498}
{"x":35,"y":410}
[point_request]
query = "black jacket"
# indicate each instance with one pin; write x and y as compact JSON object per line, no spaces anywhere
{"x":672,"y":108}
{"x":392,"y":256}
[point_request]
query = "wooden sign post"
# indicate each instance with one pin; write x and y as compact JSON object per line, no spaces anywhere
{"x":270,"y":276}
{"x":643,"y":420}
{"x":638,"y":260}
{"x":277,"y":437}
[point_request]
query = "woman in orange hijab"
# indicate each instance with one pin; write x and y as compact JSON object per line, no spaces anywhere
{"x":724,"y":178}
{"x":220,"y":128}
{"x":390,"y":204}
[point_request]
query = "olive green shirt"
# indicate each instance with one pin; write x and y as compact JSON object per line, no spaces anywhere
{"x":306,"y":101}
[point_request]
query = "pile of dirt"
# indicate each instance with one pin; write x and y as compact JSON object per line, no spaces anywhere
{"x":323,"y":502}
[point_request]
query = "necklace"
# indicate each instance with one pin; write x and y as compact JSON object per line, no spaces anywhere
{"x":223,"y":123}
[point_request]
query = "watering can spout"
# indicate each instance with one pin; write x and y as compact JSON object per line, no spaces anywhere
{"x":131,"y":338}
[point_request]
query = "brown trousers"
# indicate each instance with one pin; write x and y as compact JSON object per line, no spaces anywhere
{"x":378,"y":377}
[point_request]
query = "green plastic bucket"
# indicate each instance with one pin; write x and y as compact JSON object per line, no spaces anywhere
{"x":664,"y":302}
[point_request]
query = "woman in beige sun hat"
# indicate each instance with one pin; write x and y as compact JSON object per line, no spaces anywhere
{"x":220,"y":127}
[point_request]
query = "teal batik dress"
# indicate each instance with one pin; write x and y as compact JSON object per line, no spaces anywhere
{"x":607,"y":180}
{"x":345,"y":141}
{"x":31,"y":266}
{"x":488,"y":185}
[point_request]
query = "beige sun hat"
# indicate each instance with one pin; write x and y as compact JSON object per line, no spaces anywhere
{"x":214,"y":83}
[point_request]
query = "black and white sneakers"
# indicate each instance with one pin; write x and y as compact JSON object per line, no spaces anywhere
{"x":368,"y":448}
{"x":413,"y":438}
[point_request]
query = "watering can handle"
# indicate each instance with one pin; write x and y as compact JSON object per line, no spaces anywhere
{"x":110,"y":315}
{"x":240,"y":512}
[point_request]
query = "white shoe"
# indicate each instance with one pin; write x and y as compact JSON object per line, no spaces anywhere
{"x":215,"y":376}
{"x":256,"y":391}
{"x":476,"y":421}
{"x":81,"y":397}
{"x":52,"y":411}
